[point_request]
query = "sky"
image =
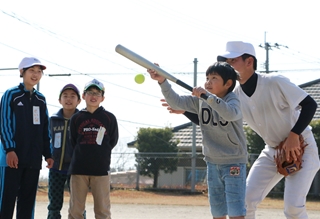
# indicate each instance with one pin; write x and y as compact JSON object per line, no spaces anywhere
{"x":79,"y":38}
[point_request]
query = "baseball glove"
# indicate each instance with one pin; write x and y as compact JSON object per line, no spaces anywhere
{"x":285,"y":167}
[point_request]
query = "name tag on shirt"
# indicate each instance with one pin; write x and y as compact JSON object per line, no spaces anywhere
{"x":36,"y":115}
{"x":57,"y":140}
{"x":100,"y":135}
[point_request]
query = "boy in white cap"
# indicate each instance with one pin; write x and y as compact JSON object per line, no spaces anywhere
{"x":25,"y":138}
{"x":94,"y":133}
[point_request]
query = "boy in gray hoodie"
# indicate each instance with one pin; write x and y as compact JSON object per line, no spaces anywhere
{"x":224,"y":142}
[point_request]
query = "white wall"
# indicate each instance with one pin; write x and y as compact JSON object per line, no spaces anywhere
{"x":177,"y":179}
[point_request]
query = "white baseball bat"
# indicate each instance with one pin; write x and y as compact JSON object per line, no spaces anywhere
{"x":149,"y":65}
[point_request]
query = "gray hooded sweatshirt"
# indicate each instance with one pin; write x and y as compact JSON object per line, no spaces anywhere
{"x":220,"y":120}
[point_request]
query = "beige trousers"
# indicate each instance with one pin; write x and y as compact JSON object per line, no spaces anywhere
{"x":100,"y":188}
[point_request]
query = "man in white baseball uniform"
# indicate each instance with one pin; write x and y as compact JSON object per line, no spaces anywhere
{"x":276,"y":109}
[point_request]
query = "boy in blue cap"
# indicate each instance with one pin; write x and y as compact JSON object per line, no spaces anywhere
{"x":69,"y":98}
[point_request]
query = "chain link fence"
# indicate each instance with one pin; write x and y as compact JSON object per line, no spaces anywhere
{"x":181,"y":178}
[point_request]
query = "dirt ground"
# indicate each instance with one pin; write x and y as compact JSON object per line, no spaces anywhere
{"x":158,"y":205}
{"x":173,"y":198}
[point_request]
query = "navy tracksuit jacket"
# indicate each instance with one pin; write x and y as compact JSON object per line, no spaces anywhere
{"x":24,"y":130}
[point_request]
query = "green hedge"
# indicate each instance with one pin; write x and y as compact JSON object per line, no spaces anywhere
{"x":255,"y":143}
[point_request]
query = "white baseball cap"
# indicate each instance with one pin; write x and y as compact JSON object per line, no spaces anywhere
{"x":28,"y":62}
{"x":237,"y":48}
{"x":94,"y":83}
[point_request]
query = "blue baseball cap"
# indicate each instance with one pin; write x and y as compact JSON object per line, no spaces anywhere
{"x":70,"y":87}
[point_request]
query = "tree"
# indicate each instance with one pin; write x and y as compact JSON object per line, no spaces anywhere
{"x":315,"y":124}
{"x":122,"y":158}
{"x":255,"y":143}
{"x":152,"y":143}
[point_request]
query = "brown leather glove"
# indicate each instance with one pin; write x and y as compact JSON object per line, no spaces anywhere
{"x":288,"y":167}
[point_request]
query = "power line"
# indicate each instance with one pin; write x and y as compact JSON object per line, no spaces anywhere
{"x":11,"y":47}
{"x":188,"y":20}
{"x":267,"y":46}
{"x":177,"y":15}
{"x":64,"y":39}
{"x":138,"y":123}
{"x":297,"y":56}
{"x":79,"y":73}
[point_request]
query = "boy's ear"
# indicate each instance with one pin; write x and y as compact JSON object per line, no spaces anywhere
{"x":82,"y":96}
{"x":21,"y":73}
{"x":229,"y":83}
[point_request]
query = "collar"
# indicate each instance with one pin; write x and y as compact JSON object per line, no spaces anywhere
{"x":250,"y":86}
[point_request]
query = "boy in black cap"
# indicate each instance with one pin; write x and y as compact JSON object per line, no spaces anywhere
{"x":25,"y":138}
{"x":94,"y":133}
{"x":62,"y":150}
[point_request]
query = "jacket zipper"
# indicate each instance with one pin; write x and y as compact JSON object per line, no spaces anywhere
{"x":63,"y":143}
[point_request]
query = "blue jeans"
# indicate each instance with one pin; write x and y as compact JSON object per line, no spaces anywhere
{"x":227,"y":189}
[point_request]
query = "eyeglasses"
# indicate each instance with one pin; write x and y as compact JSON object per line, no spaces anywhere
{"x":91,"y":93}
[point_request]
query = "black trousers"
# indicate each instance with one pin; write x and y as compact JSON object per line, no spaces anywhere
{"x":57,"y":182}
{"x":18,"y":185}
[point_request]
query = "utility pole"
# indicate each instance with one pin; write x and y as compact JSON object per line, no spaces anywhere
{"x":267,"y":46}
{"x":194,"y":135}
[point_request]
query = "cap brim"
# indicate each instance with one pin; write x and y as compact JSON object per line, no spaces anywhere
{"x":93,"y":85}
{"x":230,"y":55}
{"x":69,"y":88}
{"x":221,"y":59}
{"x":33,"y":64}
{"x":42,"y":66}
